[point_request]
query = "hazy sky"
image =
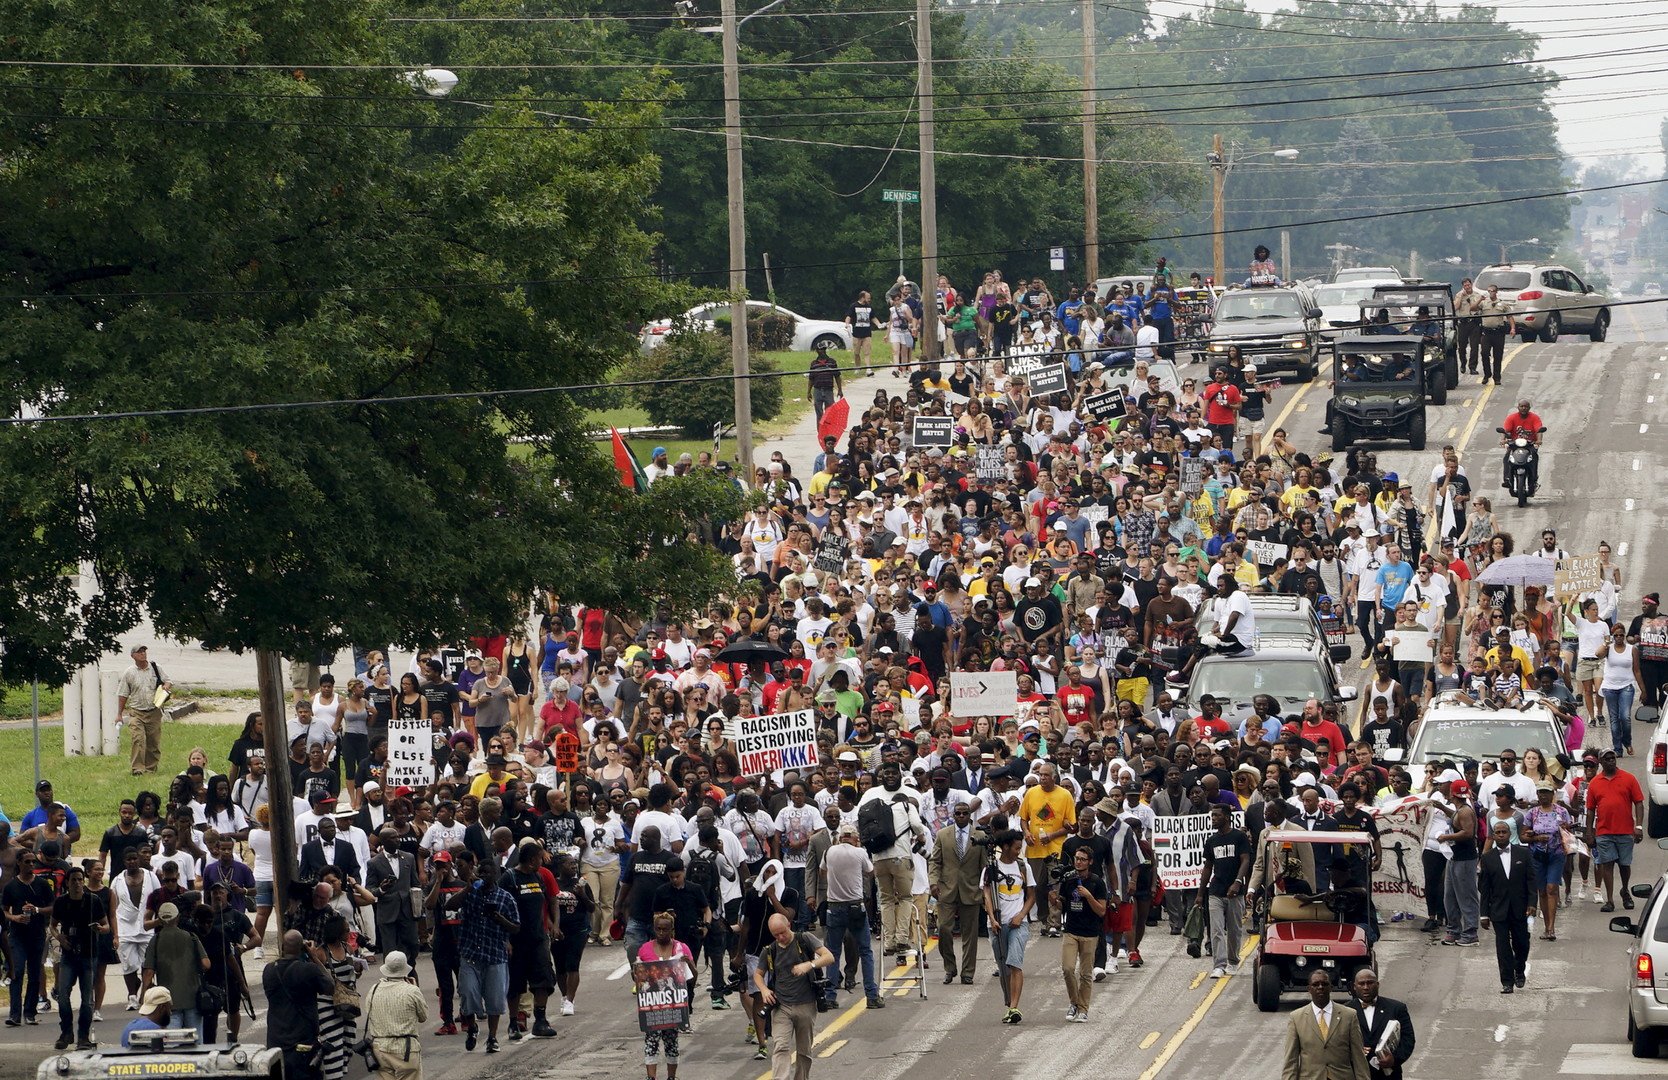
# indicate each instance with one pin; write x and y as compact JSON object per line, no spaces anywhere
{"x":1613,"y":101}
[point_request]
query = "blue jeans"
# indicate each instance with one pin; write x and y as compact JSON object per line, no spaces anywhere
{"x":851,"y":919}
{"x":28,"y":976}
{"x":1620,"y":705}
{"x":636,"y":933}
{"x":187,"y":1020}
{"x":75,"y":972}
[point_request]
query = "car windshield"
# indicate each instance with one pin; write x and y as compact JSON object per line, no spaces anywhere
{"x":1239,"y":680}
{"x":1340,"y":295}
{"x":1375,"y":368}
{"x":1507,"y":280}
{"x":1362,"y":273}
{"x":1255,"y":304}
{"x":1478,"y":738}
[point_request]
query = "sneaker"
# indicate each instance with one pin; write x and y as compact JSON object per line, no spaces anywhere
{"x":1230,"y":971}
{"x":749,"y":1036}
{"x":1464,"y":944}
{"x":685,"y":1028}
{"x":1071,"y":1013}
{"x":761,"y":1054}
{"x":1431,"y":925}
{"x":492,"y":1045}
{"x":446,"y":1029}
{"x":1123,"y":954}
{"x":1013,"y":1017}
{"x":471,"y":1035}
{"x":1135,"y":958}
{"x":1111,"y":968}
{"x":515,"y":1032}
{"x":13,"y":1022}
{"x":32,"y":1021}
{"x":567,"y":1007}
{"x":1581,"y":890}
{"x":1100,"y":974}
{"x":133,"y":1003}
{"x":1219,"y":972}
{"x":876,"y":1003}
{"x":543,"y":1030}
{"x":98,"y":1017}
{"x":719,"y":1004}
{"x":1082,"y":1017}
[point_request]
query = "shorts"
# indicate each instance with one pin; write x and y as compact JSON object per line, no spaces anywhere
{"x":1132,"y":690}
{"x":1549,"y":867}
{"x":483,"y":989}
{"x":750,"y":967}
{"x":1613,"y":849}
{"x":1256,"y":426}
{"x":902,"y":337}
{"x":303,"y":675}
{"x":131,"y":955}
{"x":535,"y":967}
{"x":568,"y":951}
{"x":1015,"y":940}
{"x":1121,"y":919}
{"x":1589,"y":667}
{"x":263,"y":894}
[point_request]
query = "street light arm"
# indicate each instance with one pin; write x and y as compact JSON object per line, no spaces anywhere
{"x":752,"y":15}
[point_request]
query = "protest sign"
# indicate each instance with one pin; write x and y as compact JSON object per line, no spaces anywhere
{"x":992,"y":463}
{"x":933,"y":431}
{"x":832,"y":552}
{"x":410,"y":754}
{"x":1106,"y":405}
{"x":1023,"y":363}
{"x":1192,"y":475}
{"x":1411,"y":646}
{"x":984,"y":693}
{"x":452,"y":660}
{"x":1399,"y":882}
{"x":1050,"y":379}
{"x":770,"y":744}
{"x":1576,"y":575}
{"x":1264,"y":552}
{"x":663,"y":996}
{"x":1179,"y":847}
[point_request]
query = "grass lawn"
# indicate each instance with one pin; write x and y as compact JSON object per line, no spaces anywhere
{"x":95,"y":786}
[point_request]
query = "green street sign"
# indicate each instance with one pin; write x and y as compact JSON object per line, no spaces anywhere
{"x":898,"y":195}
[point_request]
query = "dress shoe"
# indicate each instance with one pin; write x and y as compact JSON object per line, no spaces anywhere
{"x":949,"y":977}
{"x":1507,"y":989}
{"x":1520,"y":981}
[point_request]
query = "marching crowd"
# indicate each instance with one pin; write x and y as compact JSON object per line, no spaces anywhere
{"x":1083,"y":563}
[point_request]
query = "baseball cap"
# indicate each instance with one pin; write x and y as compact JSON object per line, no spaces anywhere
{"x":1033,"y":582}
{"x":443,"y":856}
{"x":1460,"y":788}
{"x":168,"y":912}
{"x":156,"y":996}
{"x":1449,"y":776}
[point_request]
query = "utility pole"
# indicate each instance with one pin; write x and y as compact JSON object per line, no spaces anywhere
{"x":929,"y":187}
{"x":738,"y":238}
{"x":1285,"y":254}
{"x":1091,"y":154}
{"x":269,"y":677}
{"x":1218,"y":177}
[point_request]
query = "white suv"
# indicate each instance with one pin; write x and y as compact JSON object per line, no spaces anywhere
{"x":1548,"y":300}
{"x":1647,"y":967}
{"x":1656,"y":781}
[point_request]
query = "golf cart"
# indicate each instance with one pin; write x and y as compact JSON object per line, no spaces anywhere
{"x":1379,"y":386}
{"x":1437,"y":298}
{"x":1303,"y":931}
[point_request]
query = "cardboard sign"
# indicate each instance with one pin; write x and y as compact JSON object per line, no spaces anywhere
{"x":984,"y":693}
{"x":933,"y":431}
{"x":770,"y":744}
{"x":1576,"y":575}
{"x":1179,"y":847}
{"x":663,"y":994}
{"x":1050,"y":379}
{"x":1106,"y":405}
{"x":1411,"y":646}
{"x":1191,"y":472}
{"x":832,"y":552}
{"x":410,"y":754}
{"x":1265,"y":552}
{"x":565,"y":750}
{"x":992,"y":463}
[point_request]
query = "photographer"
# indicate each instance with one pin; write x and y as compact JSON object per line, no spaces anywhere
{"x":784,"y":981}
{"x":293,"y":986}
{"x":1082,"y":896}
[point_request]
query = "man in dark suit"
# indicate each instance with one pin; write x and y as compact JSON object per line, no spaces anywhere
{"x":971,"y":777}
{"x":1507,"y":901}
{"x":1375,"y":1015}
{"x":955,"y":864}
{"x":328,"y":849}
{"x":390,"y":878}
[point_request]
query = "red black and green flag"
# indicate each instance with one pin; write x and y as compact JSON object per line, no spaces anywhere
{"x":625,"y":463}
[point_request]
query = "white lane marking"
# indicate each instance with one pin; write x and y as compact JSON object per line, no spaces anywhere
{"x":1650,"y":399}
{"x":1500,"y":1033}
{"x":1658,"y":375}
{"x":1644,"y":428}
{"x":619,"y":973}
{"x":1635,"y":464}
{"x":1627,"y":504}
{"x":1621,"y":549}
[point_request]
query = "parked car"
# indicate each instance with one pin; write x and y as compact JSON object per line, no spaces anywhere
{"x":1647,"y":966}
{"x":807,"y":333}
{"x":1340,"y":302}
{"x":1656,"y":781}
{"x":1367,"y":273}
{"x":1548,"y":300}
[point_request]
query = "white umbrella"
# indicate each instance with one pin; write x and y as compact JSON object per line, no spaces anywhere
{"x":1519,"y":570}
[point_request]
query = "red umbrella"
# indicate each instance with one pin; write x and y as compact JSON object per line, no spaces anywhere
{"x":833,"y":422}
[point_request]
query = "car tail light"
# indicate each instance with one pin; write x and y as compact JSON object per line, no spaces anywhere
{"x":1659,"y":758}
{"x":1643,"y":971}
{"x":1531,"y":294}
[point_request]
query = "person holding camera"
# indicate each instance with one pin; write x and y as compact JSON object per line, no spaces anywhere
{"x":1082,"y":898}
{"x":785,"y":981}
{"x":394,"y":1014}
{"x":848,"y":871}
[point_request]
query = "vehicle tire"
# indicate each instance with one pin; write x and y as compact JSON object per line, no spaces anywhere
{"x":1416,"y":432}
{"x":1601,"y":326}
{"x":1526,"y":338}
{"x":1656,"y":821}
{"x":1266,"y":988}
{"x":1305,"y":373}
{"x":1647,"y":1042}
{"x":1552,"y":328}
{"x":833,"y":341}
{"x":1439,"y":391}
{"x":1340,"y":435}
{"x":1450,"y":368}
{"x":1523,"y":498}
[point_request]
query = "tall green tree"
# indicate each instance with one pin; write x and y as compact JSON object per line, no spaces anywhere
{"x":294,"y":222}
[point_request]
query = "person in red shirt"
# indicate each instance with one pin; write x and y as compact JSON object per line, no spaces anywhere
{"x":1315,"y":727}
{"x":1615,"y":821}
{"x":1209,"y":725}
{"x":1222,"y":403}
{"x":1522,"y":422}
{"x":1076,"y":698}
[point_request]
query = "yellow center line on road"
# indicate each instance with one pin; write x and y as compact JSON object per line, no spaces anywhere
{"x":1197,"y":979}
{"x":1152,"y":1037}
{"x":833,"y":1048}
{"x":1193,"y":1021}
{"x":857,"y":1008}
{"x":1291,"y":405}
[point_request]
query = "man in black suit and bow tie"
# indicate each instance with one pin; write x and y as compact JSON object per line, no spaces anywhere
{"x":1507,"y":901}
{"x":1374,"y":1014}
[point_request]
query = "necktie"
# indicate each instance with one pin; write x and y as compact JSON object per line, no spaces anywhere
{"x":1321,"y":1018}
{"x":961,"y":843}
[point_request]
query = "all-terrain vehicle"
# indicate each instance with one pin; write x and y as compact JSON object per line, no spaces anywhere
{"x":1379,"y":387}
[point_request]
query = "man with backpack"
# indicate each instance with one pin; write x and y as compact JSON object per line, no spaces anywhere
{"x":786,"y":982}
{"x":889,"y":825}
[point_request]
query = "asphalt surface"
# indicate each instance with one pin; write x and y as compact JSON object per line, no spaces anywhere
{"x":1167,"y":1019}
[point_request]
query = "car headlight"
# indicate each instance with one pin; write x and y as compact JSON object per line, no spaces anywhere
{"x":1350,"y":402}
{"x":1217,"y":346}
{"x":63,"y":1066}
{"x":1297,"y":343}
{"x":240,"y":1057}
{"x":1406,"y":399}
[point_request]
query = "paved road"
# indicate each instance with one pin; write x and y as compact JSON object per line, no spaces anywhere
{"x":1167,"y":1019}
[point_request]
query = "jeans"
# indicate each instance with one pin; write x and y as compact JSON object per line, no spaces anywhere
{"x":850,"y":918}
{"x":28,"y":977}
{"x":187,"y":1020}
{"x":794,"y":878}
{"x":1619,"y":703}
{"x":1436,"y":867}
{"x":636,"y":933}
{"x":445,"y":957}
{"x":1460,"y":899}
{"x":1227,"y":934}
{"x":1367,"y":621}
{"x":73,"y":972}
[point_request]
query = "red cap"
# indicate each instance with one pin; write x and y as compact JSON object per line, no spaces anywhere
{"x":402,"y":792}
{"x":443,"y":856}
{"x":1460,"y":787}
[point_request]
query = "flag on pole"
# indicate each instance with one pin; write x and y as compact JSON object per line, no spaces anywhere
{"x":625,"y":463}
{"x":834,"y":419}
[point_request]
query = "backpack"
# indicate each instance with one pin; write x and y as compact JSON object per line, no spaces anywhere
{"x":702,"y":873}
{"x":875,"y":827}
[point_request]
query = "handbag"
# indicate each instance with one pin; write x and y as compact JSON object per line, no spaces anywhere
{"x":345,"y":998}
{"x":210,"y":998}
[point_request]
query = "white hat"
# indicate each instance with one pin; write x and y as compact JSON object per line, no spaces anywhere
{"x":1059,"y":526}
{"x":370,"y":785}
{"x":395,"y":966}
{"x":1033,"y":582}
{"x":1448,"y":776}
{"x":1304,"y":780}
{"x":849,"y":756}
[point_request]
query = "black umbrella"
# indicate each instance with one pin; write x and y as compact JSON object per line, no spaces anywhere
{"x":749,"y":651}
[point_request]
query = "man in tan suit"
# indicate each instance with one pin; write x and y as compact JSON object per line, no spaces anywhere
{"x":954,"y":866}
{"x":1323,"y":1039}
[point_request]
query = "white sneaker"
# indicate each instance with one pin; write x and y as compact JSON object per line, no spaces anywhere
{"x":1081,"y":1018}
{"x":98,"y":1017}
{"x":133,"y":1003}
{"x":567,"y":1007}
{"x":1111,"y":967}
{"x":1100,"y":973}
{"x":1123,"y":954}
{"x":1230,"y":971}
{"x":1219,"y":972}
{"x":1071,"y":1013}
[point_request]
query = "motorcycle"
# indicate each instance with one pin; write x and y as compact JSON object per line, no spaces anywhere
{"x":1523,"y":458}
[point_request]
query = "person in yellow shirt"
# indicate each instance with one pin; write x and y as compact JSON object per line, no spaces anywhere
{"x":1503,"y":647}
{"x":1047,"y":815}
{"x":496,"y":773}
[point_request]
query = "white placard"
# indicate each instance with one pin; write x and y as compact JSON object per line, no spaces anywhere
{"x":410,"y":755}
{"x":984,"y":693}
{"x":770,"y":744}
{"x":1265,"y":552}
{"x":1410,"y":646}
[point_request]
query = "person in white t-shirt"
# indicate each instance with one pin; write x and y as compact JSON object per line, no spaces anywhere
{"x":796,"y":823}
{"x":1010,"y":894}
{"x":1146,"y":340}
{"x":1236,"y":624}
